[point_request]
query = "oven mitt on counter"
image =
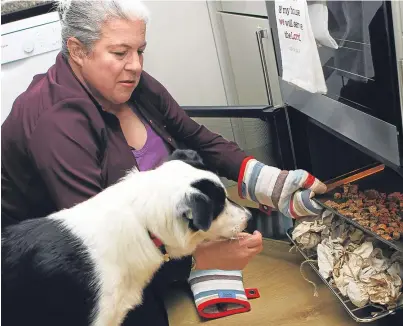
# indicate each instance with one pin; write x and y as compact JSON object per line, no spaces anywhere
{"x":288,"y":191}
{"x":219,"y":293}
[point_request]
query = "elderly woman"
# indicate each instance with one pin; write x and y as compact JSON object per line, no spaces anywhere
{"x":95,"y":114}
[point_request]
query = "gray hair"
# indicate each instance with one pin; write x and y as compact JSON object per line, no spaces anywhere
{"x":83,"y":19}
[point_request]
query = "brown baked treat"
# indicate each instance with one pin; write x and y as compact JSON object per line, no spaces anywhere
{"x":337,"y":195}
{"x":363,"y":222}
{"x":371,"y":194}
{"x":384,"y":220}
{"x":369,"y":202}
{"x":392,"y":206}
{"x":396,"y":235}
{"x":374,"y":228}
{"x":348,"y":214}
{"x":396,"y":197}
{"x":353,"y":189}
{"x":382,"y":226}
{"x":394,"y":224}
{"x":379,"y":212}
{"x":383,"y":210}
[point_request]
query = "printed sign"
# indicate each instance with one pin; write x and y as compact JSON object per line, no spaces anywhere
{"x":299,"y":52}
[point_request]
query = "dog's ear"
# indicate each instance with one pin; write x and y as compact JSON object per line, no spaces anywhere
{"x":205,"y":205}
{"x":188,"y":156}
{"x":200,"y":212}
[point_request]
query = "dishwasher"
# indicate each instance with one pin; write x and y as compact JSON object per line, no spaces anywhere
{"x":28,"y":47}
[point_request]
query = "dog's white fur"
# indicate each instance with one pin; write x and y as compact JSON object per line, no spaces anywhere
{"x":114,"y":227}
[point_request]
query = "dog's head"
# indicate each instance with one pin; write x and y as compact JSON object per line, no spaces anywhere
{"x":199,"y":207}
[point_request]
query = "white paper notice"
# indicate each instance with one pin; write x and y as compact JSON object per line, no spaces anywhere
{"x":299,"y":52}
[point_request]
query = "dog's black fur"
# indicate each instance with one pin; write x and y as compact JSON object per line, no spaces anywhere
{"x":209,"y":203}
{"x":190,"y":157}
{"x":206,"y":205}
{"x":46,"y":275}
{"x":44,"y":281}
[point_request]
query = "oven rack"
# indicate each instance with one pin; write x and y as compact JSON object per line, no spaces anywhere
{"x":367,"y":314}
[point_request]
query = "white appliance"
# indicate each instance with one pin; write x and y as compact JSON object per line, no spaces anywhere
{"x":28,"y":47}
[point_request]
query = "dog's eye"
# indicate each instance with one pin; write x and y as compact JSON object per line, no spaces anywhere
{"x":187,"y":215}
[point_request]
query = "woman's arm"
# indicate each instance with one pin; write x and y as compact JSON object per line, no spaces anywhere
{"x":268,"y":186}
{"x":218,"y":153}
{"x":65,"y":150}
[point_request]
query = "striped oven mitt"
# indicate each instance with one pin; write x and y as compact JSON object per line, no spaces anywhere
{"x":288,"y":191}
{"x":219,"y":293}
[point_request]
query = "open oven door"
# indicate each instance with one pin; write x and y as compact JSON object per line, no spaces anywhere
{"x":362,"y":105}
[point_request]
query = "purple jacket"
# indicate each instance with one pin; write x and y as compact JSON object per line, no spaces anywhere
{"x":59,"y":147}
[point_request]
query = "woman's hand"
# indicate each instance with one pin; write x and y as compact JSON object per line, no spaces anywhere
{"x":229,"y":254}
{"x":290,"y":192}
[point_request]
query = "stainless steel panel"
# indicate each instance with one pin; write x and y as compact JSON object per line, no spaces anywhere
{"x":245,"y":7}
{"x":397,"y":15}
{"x":374,"y":134}
{"x":243,"y":48}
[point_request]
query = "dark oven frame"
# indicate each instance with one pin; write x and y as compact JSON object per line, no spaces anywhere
{"x":379,"y":139}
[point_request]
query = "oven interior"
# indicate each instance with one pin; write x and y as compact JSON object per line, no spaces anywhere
{"x":332,"y":159}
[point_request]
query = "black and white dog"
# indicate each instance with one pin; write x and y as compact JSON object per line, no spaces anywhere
{"x":88,"y":265}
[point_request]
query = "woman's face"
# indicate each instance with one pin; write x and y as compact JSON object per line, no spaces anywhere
{"x":113,"y":67}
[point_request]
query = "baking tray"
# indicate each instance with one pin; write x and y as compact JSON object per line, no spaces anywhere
{"x":370,"y":177}
{"x":366,"y":314}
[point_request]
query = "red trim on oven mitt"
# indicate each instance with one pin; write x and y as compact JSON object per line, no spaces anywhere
{"x":290,"y":192}
{"x":219,"y":293}
{"x":263,"y":208}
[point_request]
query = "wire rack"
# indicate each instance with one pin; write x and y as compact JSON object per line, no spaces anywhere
{"x":366,"y":314}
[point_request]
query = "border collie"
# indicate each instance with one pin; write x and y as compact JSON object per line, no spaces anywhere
{"x":88,"y":265}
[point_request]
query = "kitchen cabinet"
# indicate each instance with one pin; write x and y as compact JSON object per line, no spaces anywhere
{"x":245,"y":7}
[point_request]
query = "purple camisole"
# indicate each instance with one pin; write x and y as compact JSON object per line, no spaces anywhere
{"x":154,"y":151}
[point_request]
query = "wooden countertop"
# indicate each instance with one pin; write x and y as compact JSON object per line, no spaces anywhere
{"x":285,"y":297}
